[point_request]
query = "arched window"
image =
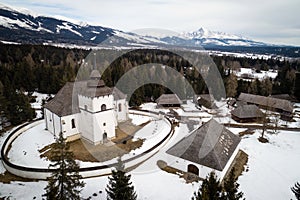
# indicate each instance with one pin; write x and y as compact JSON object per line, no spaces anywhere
{"x":193,"y":169}
{"x":103,"y":107}
{"x":73,"y":123}
{"x":120,"y":107}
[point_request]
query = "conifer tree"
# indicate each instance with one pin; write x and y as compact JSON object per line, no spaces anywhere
{"x":296,"y":190}
{"x":119,"y":186}
{"x":231,"y":188}
{"x":210,"y":189}
{"x":64,"y":183}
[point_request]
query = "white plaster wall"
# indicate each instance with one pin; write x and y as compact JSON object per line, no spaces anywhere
{"x":93,"y":122}
{"x":182,"y":164}
{"x":123,"y":115}
{"x":48,"y":120}
{"x":86,"y":125}
{"x":53,"y":122}
{"x":94,"y":104}
{"x":67,"y":125}
{"x":57,"y":124}
{"x":108,"y":100}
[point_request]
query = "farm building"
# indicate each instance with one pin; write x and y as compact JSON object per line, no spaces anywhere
{"x":210,"y":147}
{"x":284,"y":107}
{"x":247,"y":113}
{"x":205,"y":100}
{"x":169,"y":100}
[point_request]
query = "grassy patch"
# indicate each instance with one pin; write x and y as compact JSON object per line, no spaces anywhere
{"x":7,"y":177}
{"x":239,"y":164}
{"x":87,"y":152}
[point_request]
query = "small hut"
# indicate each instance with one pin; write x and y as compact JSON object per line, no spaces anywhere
{"x":211,"y":147}
{"x":169,"y":100}
{"x":205,"y":100}
{"x":247,"y":113}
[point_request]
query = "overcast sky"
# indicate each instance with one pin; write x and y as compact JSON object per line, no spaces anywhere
{"x":273,"y":21}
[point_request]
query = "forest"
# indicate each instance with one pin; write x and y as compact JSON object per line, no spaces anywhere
{"x":45,"y":69}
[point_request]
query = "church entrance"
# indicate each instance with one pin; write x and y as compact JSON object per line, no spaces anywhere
{"x":104,"y":137}
{"x":193,"y":169}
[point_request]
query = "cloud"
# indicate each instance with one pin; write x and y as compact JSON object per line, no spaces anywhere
{"x":257,"y":19}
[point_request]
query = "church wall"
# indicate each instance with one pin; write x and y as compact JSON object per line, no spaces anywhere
{"x":94,"y":122}
{"x":53,"y":123}
{"x":122,"y":115}
{"x":70,"y":128}
{"x":105,"y":123}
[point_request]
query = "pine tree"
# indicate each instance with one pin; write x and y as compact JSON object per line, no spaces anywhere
{"x":210,"y":189}
{"x":296,"y":190}
{"x":64,"y":182}
{"x":119,"y":186}
{"x":231,"y":187}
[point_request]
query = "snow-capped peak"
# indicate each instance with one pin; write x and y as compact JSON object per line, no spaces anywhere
{"x":205,"y":33}
{"x":18,"y":10}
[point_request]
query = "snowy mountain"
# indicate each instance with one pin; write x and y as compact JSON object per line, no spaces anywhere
{"x":26,"y":27}
{"x":23,"y":26}
{"x":206,"y":37}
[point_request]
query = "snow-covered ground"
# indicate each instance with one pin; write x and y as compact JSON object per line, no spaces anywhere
{"x":273,"y":168}
{"x":37,"y":105}
{"x":251,"y":73}
{"x":25,"y":148}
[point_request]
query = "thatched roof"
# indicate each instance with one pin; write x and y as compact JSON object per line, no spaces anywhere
{"x":168,"y":99}
{"x":267,"y":102}
{"x":247,"y":111}
{"x":211,"y":145}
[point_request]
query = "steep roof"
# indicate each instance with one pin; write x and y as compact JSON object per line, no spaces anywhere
{"x":167,"y":99}
{"x":118,"y":94}
{"x":267,"y":102}
{"x":247,"y":111}
{"x":65,"y":101}
{"x":211,"y":145}
{"x":62,"y":103}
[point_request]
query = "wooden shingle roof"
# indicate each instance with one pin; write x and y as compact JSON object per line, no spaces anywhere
{"x":267,"y":102}
{"x":168,"y":99}
{"x":247,"y":111}
{"x":211,"y":145}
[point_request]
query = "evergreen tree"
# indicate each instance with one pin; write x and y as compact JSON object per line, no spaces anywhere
{"x":296,"y":190}
{"x":119,"y":186}
{"x":64,"y":182}
{"x":231,"y":187}
{"x":231,"y":85}
{"x":210,"y":189}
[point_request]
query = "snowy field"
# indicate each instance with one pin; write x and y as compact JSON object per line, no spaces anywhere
{"x":253,"y":74}
{"x":273,"y":168}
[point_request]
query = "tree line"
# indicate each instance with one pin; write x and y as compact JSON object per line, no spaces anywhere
{"x":46,"y":69}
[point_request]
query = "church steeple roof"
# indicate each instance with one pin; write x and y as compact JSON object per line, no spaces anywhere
{"x":95,"y":80}
{"x":95,"y":74}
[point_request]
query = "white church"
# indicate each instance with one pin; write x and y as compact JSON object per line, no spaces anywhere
{"x":86,"y":109}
